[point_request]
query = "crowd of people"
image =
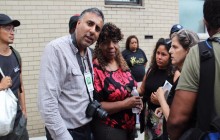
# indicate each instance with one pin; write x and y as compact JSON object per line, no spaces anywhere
{"x":86,"y":94}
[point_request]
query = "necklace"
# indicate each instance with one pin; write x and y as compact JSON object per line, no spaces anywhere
{"x":112,"y":67}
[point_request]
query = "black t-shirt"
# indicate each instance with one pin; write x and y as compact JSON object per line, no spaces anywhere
{"x":10,"y":67}
{"x":136,"y":61}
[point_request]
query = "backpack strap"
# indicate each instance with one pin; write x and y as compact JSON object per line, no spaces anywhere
{"x":205,"y":108}
{"x":18,"y":57}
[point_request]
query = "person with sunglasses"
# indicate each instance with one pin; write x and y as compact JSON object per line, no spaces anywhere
{"x":11,"y":68}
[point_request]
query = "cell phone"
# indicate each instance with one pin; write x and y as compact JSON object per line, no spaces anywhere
{"x":167,"y":87}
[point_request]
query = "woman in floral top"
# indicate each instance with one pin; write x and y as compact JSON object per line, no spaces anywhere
{"x":113,"y":83}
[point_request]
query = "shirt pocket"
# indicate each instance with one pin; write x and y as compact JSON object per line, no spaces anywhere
{"x":76,"y":72}
{"x":76,"y":79}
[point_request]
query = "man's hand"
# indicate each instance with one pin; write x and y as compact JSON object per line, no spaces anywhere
{"x":6,"y":82}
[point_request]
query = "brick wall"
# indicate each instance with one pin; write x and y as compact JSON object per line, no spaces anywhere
{"x":45,"y":20}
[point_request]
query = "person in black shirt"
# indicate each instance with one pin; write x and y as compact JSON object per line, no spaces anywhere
{"x":11,"y":68}
{"x":135,"y":58}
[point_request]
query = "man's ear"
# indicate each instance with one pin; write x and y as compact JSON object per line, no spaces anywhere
{"x":78,"y":22}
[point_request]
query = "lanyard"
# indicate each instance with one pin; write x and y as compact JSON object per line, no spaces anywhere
{"x":83,"y":67}
{"x":82,"y":64}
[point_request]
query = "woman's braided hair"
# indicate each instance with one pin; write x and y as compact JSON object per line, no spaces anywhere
{"x":110,"y":32}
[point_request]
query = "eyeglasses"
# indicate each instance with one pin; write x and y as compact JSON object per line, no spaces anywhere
{"x":9,"y":28}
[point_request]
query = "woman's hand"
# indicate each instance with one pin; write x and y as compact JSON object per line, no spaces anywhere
{"x":134,"y":101}
{"x":154,"y":99}
{"x":160,"y":93}
{"x":158,"y":112}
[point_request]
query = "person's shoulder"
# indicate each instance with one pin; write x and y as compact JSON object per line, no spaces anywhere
{"x":14,"y":50}
{"x":194,"y":50}
{"x":17,"y":54}
{"x":125,"y":52}
{"x":176,"y":75}
{"x":140,"y":50}
{"x":61,"y":41}
{"x":216,"y":43}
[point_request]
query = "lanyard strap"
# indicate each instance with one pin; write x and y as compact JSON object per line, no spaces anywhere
{"x":79,"y":60}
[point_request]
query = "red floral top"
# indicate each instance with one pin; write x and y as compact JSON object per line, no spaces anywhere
{"x":111,"y":86}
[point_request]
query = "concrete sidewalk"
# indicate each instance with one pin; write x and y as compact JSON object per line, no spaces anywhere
{"x":38,"y":138}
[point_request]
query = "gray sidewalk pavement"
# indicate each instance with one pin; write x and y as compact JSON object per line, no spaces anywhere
{"x":38,"y":138}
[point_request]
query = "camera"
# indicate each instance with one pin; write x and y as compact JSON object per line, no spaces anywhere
{"x":94,"y":110}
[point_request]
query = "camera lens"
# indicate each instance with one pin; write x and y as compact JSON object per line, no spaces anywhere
{"x":101,"y":113}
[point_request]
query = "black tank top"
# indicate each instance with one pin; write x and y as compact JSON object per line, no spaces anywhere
{"x":154,"y":80}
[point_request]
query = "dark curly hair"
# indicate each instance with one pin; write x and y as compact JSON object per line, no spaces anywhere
{"x":110,"y":32}
{"x":129,"y":40}
{"x":153,"y":65}
{"x":211,"y":13}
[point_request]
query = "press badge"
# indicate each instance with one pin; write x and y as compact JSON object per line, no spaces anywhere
{"x":88,"y":79}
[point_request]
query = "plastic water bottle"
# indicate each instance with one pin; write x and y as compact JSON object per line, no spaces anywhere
{"x":134,"y":92}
